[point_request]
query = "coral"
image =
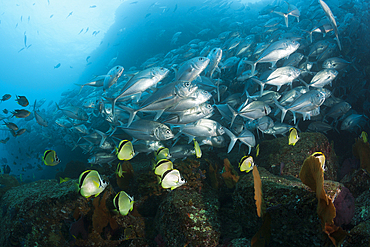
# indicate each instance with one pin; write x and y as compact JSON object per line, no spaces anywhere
{"x":7,"y":182}
{"x":262,"y":237}
{"x":229,"y":174}
{"x":361,"y":150}
{"x":312,"y":175}
{"x":212,"y":174}
{"x":260,"y":204}
{"x":102,"y":216}
{"x":280,"y":158}
{"x":357,"y":182}
{"x":78,"y":229}
{"x":348,"y":166}
{"x":188,"y":218}
{"x":289,"y":205}
{"x":345,"y":207}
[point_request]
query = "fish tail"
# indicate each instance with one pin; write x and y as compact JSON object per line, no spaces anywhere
{"x":81,"y":86}
{"x":283,"y":110}
{"x":253,"y":66}
{"x":103,"y":137}
{"x":261,"y":83}
{"x":233,"y":139}
{"x":132,"y":114}
{"x":234,"y":114}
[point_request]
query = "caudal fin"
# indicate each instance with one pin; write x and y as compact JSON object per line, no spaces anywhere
{"x":233,"y":139}
{"x":283,"y":110}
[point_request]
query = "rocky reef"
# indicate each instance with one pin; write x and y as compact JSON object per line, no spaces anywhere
{"x":216,"y":207}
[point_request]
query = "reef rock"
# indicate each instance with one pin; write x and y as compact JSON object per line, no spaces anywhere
{"x":291,"y":204}
{"x":188,"y":218}
{"x":6,"y":183}
{"x":280,"y":158}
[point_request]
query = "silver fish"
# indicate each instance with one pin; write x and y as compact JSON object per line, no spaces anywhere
{"x":190,"y":69}
{"x":148,"y":130}
{"x":112,"y":77}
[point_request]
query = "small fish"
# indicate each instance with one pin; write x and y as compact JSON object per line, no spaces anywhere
{"x":5,"y":97}
{"x":92,"y":6}
{"x":172,"y":179}
{"x":246,"y":164}
{"x":21,"y":49}
{"x":11,"y":126}
{"x":69,"y":14}
{"x":25,"y":39}
{"x":198,"y":151}
{"x":57,"y":66}
{"x":51,"y":16}
{"x":293,"y":136}
{"x":50,"y":158}
{"x":22,"y":100}
{"x":87,"y":59}
{"x":364,"y":136}
{"x":162,"y":166}
{"x":119,"y":170}
{"x":123,"y":203}
{"x":81,"y":30}
{"x":162,"y":153}
{"x":321,"y":157}
{"x":21,"y":113}
{"x":147,"y":15}
{"x":125,"y":150}
{"x":90,"y":183}
{"x":62,"y":180}
{"x":257,"y":150}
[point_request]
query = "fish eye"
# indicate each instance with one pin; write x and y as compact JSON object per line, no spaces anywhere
{"x":201,"y":59}
{"x":168,"y":131}
{"x":161,"y":68}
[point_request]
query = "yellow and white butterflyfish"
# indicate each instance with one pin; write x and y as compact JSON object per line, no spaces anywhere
{"x":172,"y":179}
{"x":125,"y":150}
{"x":246,"y":164}
{"x":91,"y":184}
{"x":50,"y":158}
{"x":123,"y":203}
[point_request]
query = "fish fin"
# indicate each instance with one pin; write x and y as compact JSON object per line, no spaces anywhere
{"x":261,"y":83}
{"x":233,"y":139}
{"x":132,"y":114}
{"x":158,"y":114}
{"x":253,"y":66}
{"x":234,"y":114}
{"x":283,"y":110}
{"x":103,"y":137}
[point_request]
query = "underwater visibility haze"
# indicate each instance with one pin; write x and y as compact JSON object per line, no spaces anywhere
{"x":185,"y":123}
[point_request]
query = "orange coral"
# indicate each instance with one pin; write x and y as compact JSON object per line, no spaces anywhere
{"x":260,"y":204}
{"x":361,"y":150}
{"x":312,"y":175}
{"x":229,"y":175}
{"x":212,"y":173}
{"x":102,"y":216}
